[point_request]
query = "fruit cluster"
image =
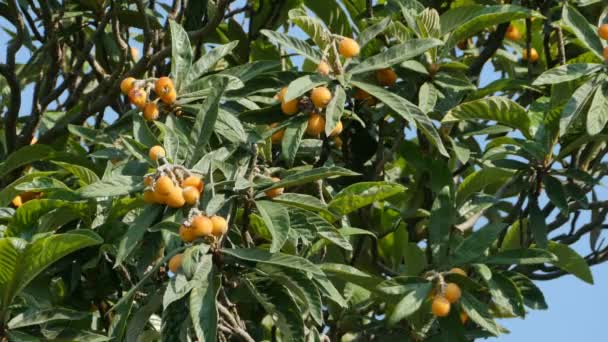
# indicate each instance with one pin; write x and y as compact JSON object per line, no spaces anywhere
{"x":201,"y":226}
{"x":171,"y":185}
{"x":446,"y":295}
{"x":138,"y":91}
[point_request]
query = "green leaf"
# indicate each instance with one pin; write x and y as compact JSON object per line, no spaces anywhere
{"x":136,"y":19}
{"x":277,"y":259}
{"x":410,"y":302}
{"x":37,"y":152}
{"x":181,"y":54}
{"x":362,"y":194}
{"x":532,"y":295}
{"x":351,"y":274}
{"x":333,"y":16}
{"x":202,"y":300}
{"x":208,"y":60}
{"x":529,"y":256}
{"x":43,"y":184}
{"x":479,"y":313}
{"x":407,"y":111}
{"x":292,"y":139}
{"x":395,"y":54}
{"x":306,"y":202}
{"x":25,"y":221}
{"x":85,"y":175}
{"x":575,"y":107}
{"x":477,"y":243}
{"x":132,"y":239}
{"x":306,"y":220}
{"x":9,"y":192}
{"x":137,"y":323}
{"x":566,"y":73}
{"x":372,"y":31}
{"x":303,"y":84}
{"x":495,"y":108}
{"x":311,"y":25}
{"x":538,"y":225}
{"x":309,"y":176}
{"x":276,"y":218}
{"x":506,"y":297}
{"x":487,"y":179}
{"x":297,"y":45}
{"x":115,"y":185}
{"x":576,"y":23}
{"x":570,"y":261}
{"x":597,"y":116}
{"x":334,"y":109}
{"x":442,"y":218}
{"x":556,"y":193}
{"x":36,"y":317}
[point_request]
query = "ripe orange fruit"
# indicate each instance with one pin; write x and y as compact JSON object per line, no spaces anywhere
{"x":193,"y":181}
{"x":24,"y":197}
{"x":187,"y":234}
{"x":164,"y":185}
{"x":316,"y":124}
{"x":134,"y":53}
{"x":320,"y":96}
{"x":290,"y":107}
{"x":175,"y":199}
{"x":457,"y":270}
{"x":156,"y":152}
{"x":160,"y":198}
{"x":150,"y":111}
{"x":605,"y":53}
{"x":323,"y":68}
{"x":202,"y":226}
{"x":349,"y":48}
{"x":163,"y":86}
{"x":220,"y":226}
{"x":138,"y":97}
{"x":170,"y":97}
{"x":337,"y":130}
{"x":386,"y":77}
{"x":440,"y":307}
{"x":533,"y":55}
{"x":17,"y":201}
{"x":452,"y":292}
{"x":191,"y":195}
{"x":513,"y":33}
{"x":274,"y":192}
{"x":127,"y":85}
{"x":281,"y":94}
{"x":175,"y":263}
{"x":149,"y":197}
{"x":463,"y":317}
{"x":602,"y":31}
{"x":278,"y":135}
{"x":148,"y":180}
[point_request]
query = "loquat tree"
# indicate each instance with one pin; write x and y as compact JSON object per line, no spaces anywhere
{"x":296,"y":170}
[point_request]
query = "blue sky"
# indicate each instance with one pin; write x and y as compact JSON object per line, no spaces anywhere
{"x":575,"y":308}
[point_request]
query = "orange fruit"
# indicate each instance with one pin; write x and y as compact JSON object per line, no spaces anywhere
{"x":337,"y":130}
{"x":320,"y":96}
{"x":156,"y":152}
{"x":148,"y":180}
{"x":440,"y":307}
{"x":605,"y":53}
{"x":17,"y":201}
{"x":323,"y":68}
{"x":187,"y":234}
{"x":150,"y":111}
{"x":191,"y":195}
{"x":452,"y":292}
{"x":463,"y":317}
{"x":364,"y":96}
{"x":164,"y":185}
{"x":134,"y":53}
{"x":193,"y":181}
{"x":348,"y":48}
{"x":457,"y":270}
{"x":175,"y":199}
{"x":160,"y":198}
{"x":533,"y":55}
{"x":127,"y":85}
{"x":138,"y":97}
{"x":281,"y":94}
{"x":149,"y":197}
{"x":175,"y":263}
{"x":202,"y":226}
{"x":316,"y":124}
{"x":386,"y":77}
{"x":513,"y":33}
{"x":278,"y":135}
{"x":276,"y":191}
{"x":602,"y":31}
{"x":220,"y":226}
{"x":290,"y":107}
{"x":170,"y":97}
{"x":163,"y":86}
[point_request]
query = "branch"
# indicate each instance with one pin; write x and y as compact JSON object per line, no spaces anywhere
{"x":494,"y":42}
{"x":233,"y":325}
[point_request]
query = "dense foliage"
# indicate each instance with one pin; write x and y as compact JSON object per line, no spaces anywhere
{"x":295,"y":170}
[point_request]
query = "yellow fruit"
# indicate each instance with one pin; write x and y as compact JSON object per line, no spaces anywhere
{"x":187,"y":234}
{"x":440,"y":307}
{"x":150,"y":111}
{"x":602,"y":31}
{"x":452,"y":292}
{"x":170,"y":97}
{"x":193,"y":181}
{"x":316,"y":124}
{"x":127,"y":85}
{"x":17,"y":201}
{"x":160,"y":198}
{"x":337,"y":130}
{"x":277,"y":137}
{"x":290,"y":107}
{"x":463,"y":317}
{"x":164,"y":185}
{"x":156,"y":152}
{"x":138,"y":97}
{"x":191,"y":195}
{"x":163,"y":86}
{"x":323,"y":68}
{"x":513,"y":33}
{"x":22,"y":198}
{"x":386,"y":77}
{"x":175,"y":199}
{"x":175,"y":263}
{"x":134,"y":53}
{"x":281,"y":94}
{"x":457,"y":270}
{"x":320,"y":96}
{"x":220,"y":226}
{"x":202,"y":226}
{"x":149,"y":197}
{"x":349,"y":48}
{"x":533,"y":55}
{"x":274,"y":192}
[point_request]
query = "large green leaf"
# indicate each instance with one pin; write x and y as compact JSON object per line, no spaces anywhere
{"x":351,"y":274}
{"x":570,"y":261}
{"x":363,"y":194}
{"x":410,"y":302}
{"x":576,"y":105}
{"x":277,"y":259}
{"x":300,"y":86}
{"x":10,"y":191}
{"x":202,"y":300}
{"x":475,"y":245}
{"x":36,"y":317}
{"x":136,"y":231}
{"x":597,"y":116}
{"x":496,"y":108}
{"x":576,"y":23}
{"x":529,"y":256}
{"x":304,"y":219}
{"x":208,"y":60}
{"x":294,"y":44}
{"x":479,"y":313}
{"x":38,"y":152}
{"x":487,"y":179}
{"x":372,"y":31}
{"x":115,"y":185}
{"x":311,"y":25}
{"x":181,"y":53}
{"x":332,"y":14}
{"x":276,"y":218}
{"x":311,"y":175}
{"x":25,"y":221}
{"x":85,"y":175}
{"x":292,"y":138}
{"x":566,"y":73}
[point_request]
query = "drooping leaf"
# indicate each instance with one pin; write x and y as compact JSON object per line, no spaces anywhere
{"x":570,"y":261}
{"x":474,"y":246}
{"x":362,"y":194}
{"x":181,"y":53}
{"x":597,"y":116}
{"x":576,"y":23}
{"x":334,"y":109}
{"x":276,"y":218}
{"x":277,"y":259}
{"x":565,"y":73}
{"x":297,"y":45}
